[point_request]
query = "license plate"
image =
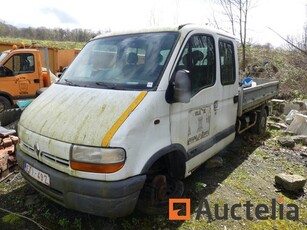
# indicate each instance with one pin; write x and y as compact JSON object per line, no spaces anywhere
{"x":37,"y":174}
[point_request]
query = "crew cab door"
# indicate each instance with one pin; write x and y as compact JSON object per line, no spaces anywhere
{"x":193,"y":124}
{"x":226,"y":108}
{"x":19,"y":76}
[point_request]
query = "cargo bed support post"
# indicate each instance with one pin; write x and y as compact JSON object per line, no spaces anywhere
{"x":240,"y":108}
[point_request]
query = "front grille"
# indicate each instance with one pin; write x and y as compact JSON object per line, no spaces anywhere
{"x":44,"y":156}
{"x":29,"y":147}
{"x":55,"y":159}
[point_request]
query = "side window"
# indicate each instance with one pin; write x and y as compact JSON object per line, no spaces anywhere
{"x":198,"y":57}
{"x":227,"y":62}
{"x":21,"y":63}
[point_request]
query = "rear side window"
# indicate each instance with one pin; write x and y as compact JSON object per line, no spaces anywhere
{"x":227,"y":62}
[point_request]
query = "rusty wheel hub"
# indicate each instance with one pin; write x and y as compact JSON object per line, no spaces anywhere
{"x":161,"y":187}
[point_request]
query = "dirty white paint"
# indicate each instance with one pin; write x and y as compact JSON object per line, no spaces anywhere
{"x":75,"y":114}
{"x":199,"y":124}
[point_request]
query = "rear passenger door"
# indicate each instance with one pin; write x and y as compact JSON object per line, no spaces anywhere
{"x":192,"y":124}
{"x":227,"y":106}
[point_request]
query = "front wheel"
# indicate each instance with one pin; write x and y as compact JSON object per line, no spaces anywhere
{"x":155,"y":195}
{"x":4,"y":104}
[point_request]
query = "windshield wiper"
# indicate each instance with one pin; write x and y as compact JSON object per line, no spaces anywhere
{"x":70,"y":83}
{"x":106,"y":85}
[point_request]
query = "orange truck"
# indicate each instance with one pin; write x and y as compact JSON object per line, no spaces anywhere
{"x":21,"y":75}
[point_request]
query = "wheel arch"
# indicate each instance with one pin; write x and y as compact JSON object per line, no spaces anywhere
{"x":7,"y":96}
{"x":176,"y":156}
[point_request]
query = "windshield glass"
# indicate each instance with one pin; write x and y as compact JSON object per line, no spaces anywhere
{"x":133,"y":61}
{"x":3,"y":55}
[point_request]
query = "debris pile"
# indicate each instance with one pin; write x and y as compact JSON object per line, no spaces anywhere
{"x":292,"y":119}
{"x":7,"y":150}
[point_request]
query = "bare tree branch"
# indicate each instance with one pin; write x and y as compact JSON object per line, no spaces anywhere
{"x":289,"y":42}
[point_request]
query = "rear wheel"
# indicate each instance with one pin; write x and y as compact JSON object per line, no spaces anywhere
{"x":4,"y":104}
{"x":260,"y":126}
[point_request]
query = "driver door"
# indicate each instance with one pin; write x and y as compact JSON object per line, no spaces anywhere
{"x":19,"y":77}
{"x":193,"y":124}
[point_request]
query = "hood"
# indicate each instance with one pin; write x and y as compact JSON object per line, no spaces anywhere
{"x":85,"y":116}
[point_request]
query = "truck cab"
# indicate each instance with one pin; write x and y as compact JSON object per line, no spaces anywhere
{"x":134,"y":114}
{"x":21,"y":75}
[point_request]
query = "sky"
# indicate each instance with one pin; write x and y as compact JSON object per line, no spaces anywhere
{"x":287,"y":17}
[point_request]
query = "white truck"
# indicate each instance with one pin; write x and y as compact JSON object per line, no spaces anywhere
{"x":134,"y":114}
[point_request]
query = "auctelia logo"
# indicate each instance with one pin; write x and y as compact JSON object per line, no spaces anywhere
{"x":274,"y":210}
{"x":173,"y":213}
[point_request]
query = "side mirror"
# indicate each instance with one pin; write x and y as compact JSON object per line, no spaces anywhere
{"x":182,"y":87}
{"x":40,"y":91}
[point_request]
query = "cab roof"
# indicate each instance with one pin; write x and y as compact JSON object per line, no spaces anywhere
{"x":185,"y":28}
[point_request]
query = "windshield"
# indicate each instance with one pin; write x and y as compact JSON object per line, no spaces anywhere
{"x":3,"y":55}
{"x":133,"y":61}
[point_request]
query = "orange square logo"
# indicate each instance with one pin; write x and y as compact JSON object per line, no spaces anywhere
{"x":173,"y":214}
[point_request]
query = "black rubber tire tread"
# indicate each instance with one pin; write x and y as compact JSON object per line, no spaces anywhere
{"x":9,"y":116}
{"x":4,"y":104}
{"x":261,"y":123}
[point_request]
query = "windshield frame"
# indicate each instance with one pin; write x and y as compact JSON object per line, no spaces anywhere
{"x":69,"y":78}
{"x":3,"y":55}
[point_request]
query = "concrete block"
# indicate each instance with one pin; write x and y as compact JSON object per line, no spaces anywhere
{"x":290,"y":182}
{"x":286,"y":142}
{"x":290,"y":106}
{"x":298,"y":125}
{"x":214,"y":162}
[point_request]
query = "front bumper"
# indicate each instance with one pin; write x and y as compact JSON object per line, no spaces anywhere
{"x":102,"y":198}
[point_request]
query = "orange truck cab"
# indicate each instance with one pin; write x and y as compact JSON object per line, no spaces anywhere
{"x":21,"y":75}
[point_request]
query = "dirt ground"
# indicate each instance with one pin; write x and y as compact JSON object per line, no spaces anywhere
{"x":246,"y":177}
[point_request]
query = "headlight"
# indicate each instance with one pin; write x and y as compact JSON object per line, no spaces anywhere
{"x":98,"y":160}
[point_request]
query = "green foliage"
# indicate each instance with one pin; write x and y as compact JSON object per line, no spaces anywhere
{"x":11,"y":218}
{"x":287,"y":66}
{"x":42,"y":33}
{"x":199,"y":186}
{"x":77,"y":224}
{"x":44,"y":43}
{"x":64,"y":223}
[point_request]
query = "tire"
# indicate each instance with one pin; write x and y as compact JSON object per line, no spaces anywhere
{"x":153,"y":207}
{"x":4,"y":104}
{"x":9,"y":118}
{"x":260,"y":126}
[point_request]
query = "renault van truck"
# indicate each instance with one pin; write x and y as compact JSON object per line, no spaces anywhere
{"x":134,"y":114}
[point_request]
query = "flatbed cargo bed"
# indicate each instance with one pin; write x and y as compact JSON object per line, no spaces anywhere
{"x":254,"y":96}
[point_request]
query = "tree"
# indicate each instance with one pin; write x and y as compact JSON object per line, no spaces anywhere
{"x":237,"y":12}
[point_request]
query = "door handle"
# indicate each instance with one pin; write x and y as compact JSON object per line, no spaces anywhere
{"x":235,"y":99}
{"x":215,"y":105}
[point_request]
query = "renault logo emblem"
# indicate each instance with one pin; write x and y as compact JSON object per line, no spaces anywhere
{"x":36,"y":149}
